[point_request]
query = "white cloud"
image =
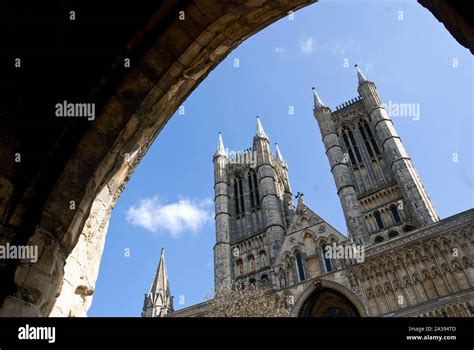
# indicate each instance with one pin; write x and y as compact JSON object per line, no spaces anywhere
{"x":279,"y":50}
{"x":307,"y":44}
{"x":184,"y":215}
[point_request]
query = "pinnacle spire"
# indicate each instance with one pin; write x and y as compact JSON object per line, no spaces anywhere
{"x":220,"y":151}
{"x":362,"y":78}
{"x":158,"y":301}
{"x":278,"y":154}
{"x":160,"y":283}
{"x":317,"y":101}
{"x":260,"y":131}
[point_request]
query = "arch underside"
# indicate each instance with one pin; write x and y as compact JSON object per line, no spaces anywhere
{"x":326,"y":302}
{"x":90,"y":163}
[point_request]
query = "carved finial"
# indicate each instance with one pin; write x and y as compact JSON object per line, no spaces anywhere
{"x":299,"y":196}
{"x":360,"y":75}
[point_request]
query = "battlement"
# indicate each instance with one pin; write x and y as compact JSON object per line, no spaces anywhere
{"x":348,"y":103}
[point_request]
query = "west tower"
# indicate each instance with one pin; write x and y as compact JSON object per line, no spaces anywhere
{"x":253,"y":203}
{"x":379,"y":188}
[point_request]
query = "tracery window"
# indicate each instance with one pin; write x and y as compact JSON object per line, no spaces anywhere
{"x":253,"y":189}
{"x":351,"y":145}
{"x":299,"y":264}
{"x":238,"y":196}
{"x":368,"y":137}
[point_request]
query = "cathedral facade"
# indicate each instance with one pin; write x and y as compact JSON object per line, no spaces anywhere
{"x":398,"y":257}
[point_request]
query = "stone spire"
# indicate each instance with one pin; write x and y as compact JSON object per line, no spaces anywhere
{"x":158,"y":301}
{"x":317,"y":101}
{"x":360,"y":75}
{"x":220,"y":151}
{"x":278,"y":155}
{"x":260,"y":131}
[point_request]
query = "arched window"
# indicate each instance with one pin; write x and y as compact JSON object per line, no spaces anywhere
{"x":253,"y":189}
{"x":368,"y":138}
{"x":263,"y":278}
{"x":240,"y":267}
{"x":392,"y":234}
{"x":251,"y":262}
{"x":351,"y":145}
{"x":378,"y":239}
{"x":263,"y":258}
{"x":299,"y":264}
{"x":395,"y":214}
{"x":327,"y":261}
{"x":252,"y":281}
{"x":378,"y":219}
{"x":282,"y":279}
{"x":239,"y":196}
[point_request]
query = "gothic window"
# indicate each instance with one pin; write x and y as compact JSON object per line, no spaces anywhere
{"x":264,"y":278}
{"x":369,"y":149}
{"x":263,"y":258}
{"x":351,"y":145}
{"x":251,"y":262}
{"x":253,"y":189}
{"x":395,"y":214}
{"x":378,"y":219}
{"x":282,"y":279}
{"x":240,"y":267}
{"x":299,"y":264}
{"x":356,"y":150}
{"x":378,"y":239}
{"x":368,"y":137}
{"x":334,"y":311}
{"x":327,"y":261}
{"x":239,"y":196}
{"x":392,"y":234}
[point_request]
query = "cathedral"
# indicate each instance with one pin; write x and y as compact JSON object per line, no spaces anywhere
{"x":397,"y":258}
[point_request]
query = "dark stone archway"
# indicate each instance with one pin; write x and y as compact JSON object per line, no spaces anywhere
{"x":72,"y":171}
{"x":88,"y":163}
{"x":326,"y":302}
{"x":326,"y":298}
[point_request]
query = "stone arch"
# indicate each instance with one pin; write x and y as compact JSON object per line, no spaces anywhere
{"x":303,"y":303}
{"x":93,"y":168}
{"x":128,"y":122}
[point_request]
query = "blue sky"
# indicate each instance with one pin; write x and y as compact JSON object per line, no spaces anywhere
{"x":399,"y":45}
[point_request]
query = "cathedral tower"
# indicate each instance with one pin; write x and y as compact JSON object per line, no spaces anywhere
{"x":159,"y":302}
{"x":222,"y":216}
{"x":341,"y":171}
{"x":253,"y":202}
{"x":381,"y":193}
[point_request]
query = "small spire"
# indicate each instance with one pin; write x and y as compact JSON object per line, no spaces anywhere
{"x":360,"y":75}
{"x":160,"y":282}
{"x":220,"y":151}
{"x":158,"y":301}
{"x":317,"y":101}
{"x":300,"y":207}
{"x":278,"y":153}
{"x":279,"y":156}
{"x":260,"y":131}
